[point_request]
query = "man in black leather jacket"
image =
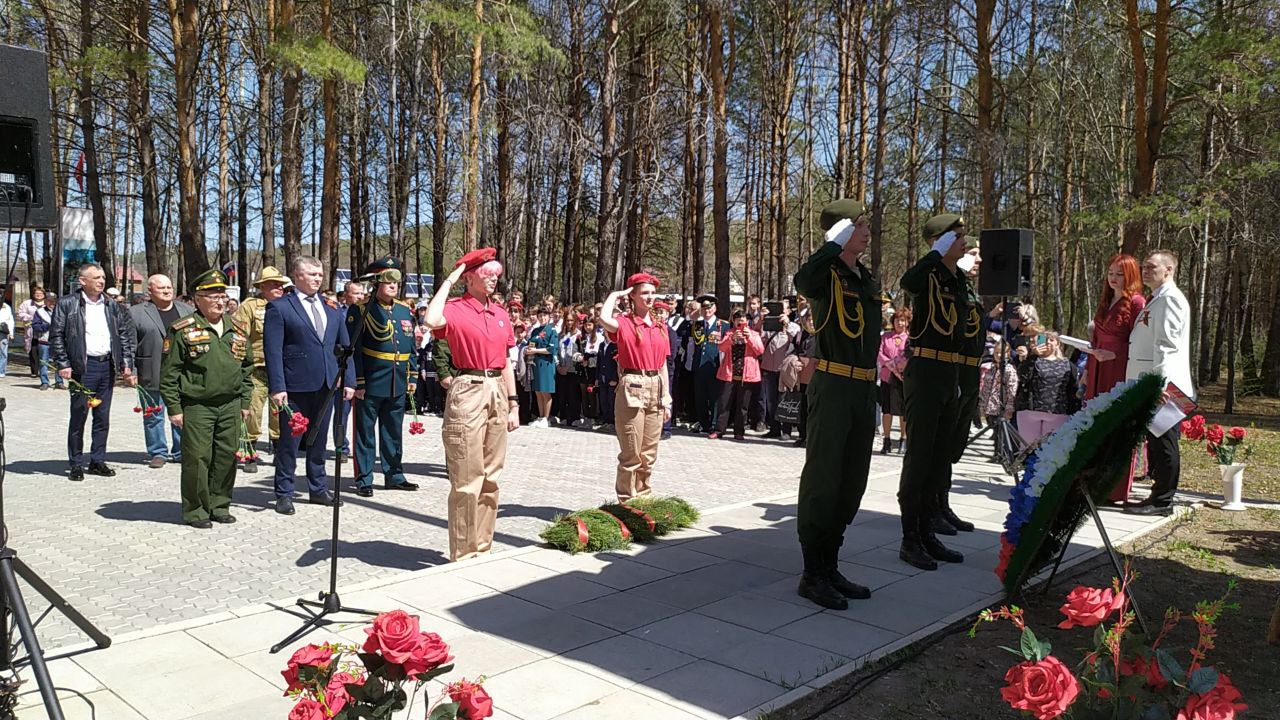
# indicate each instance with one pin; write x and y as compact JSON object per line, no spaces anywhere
{"x":91,"y":340}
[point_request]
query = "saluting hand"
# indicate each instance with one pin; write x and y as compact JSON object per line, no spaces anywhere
{"x":457,"y":274}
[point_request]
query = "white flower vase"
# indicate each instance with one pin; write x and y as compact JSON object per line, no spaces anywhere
{"x":1232,"y":482}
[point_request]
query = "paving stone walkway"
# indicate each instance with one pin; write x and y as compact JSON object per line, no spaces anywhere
{"x":701,"y":625}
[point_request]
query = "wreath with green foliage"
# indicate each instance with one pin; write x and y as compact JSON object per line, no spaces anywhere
{"x":1094,"y":448}
{"x":613,"y":526}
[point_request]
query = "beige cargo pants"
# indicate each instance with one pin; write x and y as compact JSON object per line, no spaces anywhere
{"x":475,"y":449}
{"x":637,"y":416}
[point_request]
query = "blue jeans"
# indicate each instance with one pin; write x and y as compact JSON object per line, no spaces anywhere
{"x":43,"y":354}
{"x":99,"y":377}
{"x":153,"y":431}
{"x":4,"y":354}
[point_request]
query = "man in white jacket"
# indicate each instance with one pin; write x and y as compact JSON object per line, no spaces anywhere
{"x":1161,"y":343}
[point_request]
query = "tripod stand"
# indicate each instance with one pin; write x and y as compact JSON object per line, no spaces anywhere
{"x":1009,"y":445}
{"x":329,"y":602}
{"x":11,"y":603}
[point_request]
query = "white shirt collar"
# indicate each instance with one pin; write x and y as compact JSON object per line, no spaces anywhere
{"x":102,"y":298}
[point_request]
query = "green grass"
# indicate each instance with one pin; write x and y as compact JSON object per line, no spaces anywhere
{"x":1261,"y":478}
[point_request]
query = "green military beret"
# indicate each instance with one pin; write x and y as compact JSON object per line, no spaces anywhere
{"x":384,"y":270}
{"x":211,"y":279}
{"x":842,"y":209}
{"x":939,"y":224}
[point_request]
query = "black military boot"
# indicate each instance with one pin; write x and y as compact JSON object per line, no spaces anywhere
{"x":884,"y":449}
{"x":843,"y":585}
{"x":934,"y":547}
{"x":814,"y":584}
{"x":952,"y":519}
{"x":912,"y":551}
{"x":939,"y":525}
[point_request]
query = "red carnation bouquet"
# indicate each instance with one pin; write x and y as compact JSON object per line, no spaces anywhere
{"x":245,"y":451}
{"x":415,"y":427}
{"x":1126,"y":675}
{"x":326,"y":685}
{"x":1226,"y":446}
{"x":298,"y":422}
{"x":148,"y":404}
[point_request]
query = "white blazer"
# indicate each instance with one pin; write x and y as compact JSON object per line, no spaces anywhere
{"x":1161,"y":339}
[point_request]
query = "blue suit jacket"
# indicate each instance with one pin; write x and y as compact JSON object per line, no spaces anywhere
{"x":297,"y":359}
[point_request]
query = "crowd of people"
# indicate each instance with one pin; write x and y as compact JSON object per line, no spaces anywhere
{"x":827,"y":369}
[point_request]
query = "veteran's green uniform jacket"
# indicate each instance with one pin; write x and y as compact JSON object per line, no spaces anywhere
{"x":205,"y":378}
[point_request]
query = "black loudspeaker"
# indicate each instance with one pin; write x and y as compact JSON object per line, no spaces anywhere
{"x":26,"y":169}
{"x":1006,"y":262}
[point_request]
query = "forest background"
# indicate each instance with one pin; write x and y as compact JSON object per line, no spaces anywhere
{"x":588,"y":139}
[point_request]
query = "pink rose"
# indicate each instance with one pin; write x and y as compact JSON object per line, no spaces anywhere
{"x":1088,"y":606}
{"x":1217,"y":704}
{"x":1045,"y":689}
{"x":431,"y":653}
{"x":1236,"y":433}
{"x":395,"y":634}
{"x":316,"y":656}
{"x":1214,"y":434}
{"x":308,"y":709}
{"x":473,"y":702}
{"x":336,"y":695}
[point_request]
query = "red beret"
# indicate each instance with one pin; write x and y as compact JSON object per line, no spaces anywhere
{"x":638,"y":278}
{"x":660,"y":305}
{"x":515,"y":304}
{"x":477,"y":257}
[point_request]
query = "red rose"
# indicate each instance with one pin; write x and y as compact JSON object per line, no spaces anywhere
{"x":1045,"y":689}
{"x":431,"y":653}
{"x":310,"y":656}
{"x":395,"y":634}
{"x":1086,"y":606}
{"x":1217,"y":704}
{"x":336,"y":695}
{"x":473,"y":702}
{"x":1236,"y":433}
{"x":308,"y":709}
{"x":1141,"y":666}
{"x":1194,"y":428}
{"x":1214,"y":434}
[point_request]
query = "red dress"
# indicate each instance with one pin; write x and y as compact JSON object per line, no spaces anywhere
{"x":1112,"y":333}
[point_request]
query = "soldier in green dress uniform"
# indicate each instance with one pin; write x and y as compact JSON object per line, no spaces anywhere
{"x":386,"y":364}
{"x":845,"y":304}
{"x":205,"y":383}
{"x":972,"y":345}
{"x":940,"y":312}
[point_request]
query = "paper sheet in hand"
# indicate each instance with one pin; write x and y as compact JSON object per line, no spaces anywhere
{"x":1075,"y":342}
{"x":1172,"y":412}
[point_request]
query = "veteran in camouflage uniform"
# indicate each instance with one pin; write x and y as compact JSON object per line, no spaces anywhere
{"x":251,"y":315}
{"x":386,"y":365}
{"x":845,"y":301}
{"x":204,"y":381}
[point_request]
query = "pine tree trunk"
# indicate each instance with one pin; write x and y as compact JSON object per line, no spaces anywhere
{"x":330,"y":202}
{"x":140,"y":116}
{"x":720,"y":154}
{"x":184,"y":18}
{"x":266,"y":137}
{"x":439,"y":162}
{"x":471,"y":169}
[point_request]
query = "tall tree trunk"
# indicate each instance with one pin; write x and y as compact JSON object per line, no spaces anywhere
{"x":570,"y":275}
{"x":140,"y":116}
{"x":985,"y":11}
{"x":184,"y":19}
{"x":720,"y":153}
{"x":471,"y":169}
{"x":291,"y":147}
{"x":266,"y":134}
{"x":439,"y":161}
{"x":330,"y":202}
{"x":506,"y":224}
{"x":884,"y":26}
{"x":859,"y":171}
{"x":103,"y":247}
{"x":913,"y":139}
{"x":1150,"y":114}
{"x":224,"y":132}
{"x":841,"y":180}
{"x":608,"y":129}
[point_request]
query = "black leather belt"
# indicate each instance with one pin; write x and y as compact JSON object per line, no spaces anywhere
{"x":100,"y":358}
{"x":633,"y":371}
{"x":481,"y":373}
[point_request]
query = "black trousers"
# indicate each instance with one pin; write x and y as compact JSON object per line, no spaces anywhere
{"x":706,"y":390}
{"x":734,"y":398}
{"x":568,"y":398}
{"x":99,"y":377}
{"x":1164,"y":465}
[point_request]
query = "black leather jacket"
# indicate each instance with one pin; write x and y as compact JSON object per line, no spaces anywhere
{"x":66,"y":334}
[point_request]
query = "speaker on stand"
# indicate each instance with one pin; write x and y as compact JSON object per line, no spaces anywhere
{"x":26,"y":166}
{"x":1006,"y":262}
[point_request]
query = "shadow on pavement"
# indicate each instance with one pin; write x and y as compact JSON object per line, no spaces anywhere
{"x":158,"y":511}
{"x":374,"y":552}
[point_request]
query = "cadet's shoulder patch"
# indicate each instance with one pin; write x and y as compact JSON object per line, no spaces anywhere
{"x":183,"y":322}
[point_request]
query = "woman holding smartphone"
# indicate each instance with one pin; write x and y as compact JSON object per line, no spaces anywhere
{"x":739,"y":373}
{"x":1047,"y":388}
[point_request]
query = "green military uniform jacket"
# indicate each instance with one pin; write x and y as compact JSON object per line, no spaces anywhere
{"x":201,"y":366}
{"x":442,"y":358}
{"x":252,"y":317}
{"x":845,"y":303}
{"x":945,"y":315}
{"x":974,"y":341}
{"x":385,"y":357}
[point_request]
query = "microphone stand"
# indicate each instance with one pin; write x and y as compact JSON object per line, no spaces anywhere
{"x":329,"y":602}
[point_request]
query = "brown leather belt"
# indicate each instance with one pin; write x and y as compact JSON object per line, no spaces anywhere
{"x":481,"y":373}
{"x":633,"y":371}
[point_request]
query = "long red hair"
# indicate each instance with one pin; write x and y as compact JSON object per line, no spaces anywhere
{"x":1132,"y":282}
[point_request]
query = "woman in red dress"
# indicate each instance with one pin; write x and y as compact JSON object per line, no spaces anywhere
{"x":1121,"y":303}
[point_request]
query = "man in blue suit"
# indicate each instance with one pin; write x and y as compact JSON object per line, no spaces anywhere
{"x":300,"y":333}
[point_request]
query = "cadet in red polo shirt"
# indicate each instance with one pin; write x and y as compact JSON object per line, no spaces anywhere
{"x":482,"y":406}
{"x":643,"y":400}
